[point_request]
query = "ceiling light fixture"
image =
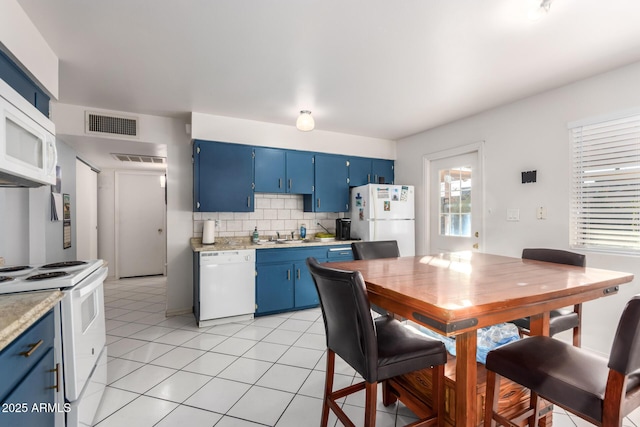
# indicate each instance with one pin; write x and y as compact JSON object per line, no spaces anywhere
{"x":305,"y":122}
{"x":540,"y":9}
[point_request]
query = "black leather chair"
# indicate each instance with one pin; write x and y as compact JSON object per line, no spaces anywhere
{"x":377,"y":249}
{"x":598,"y":390}
{"x":378,"y":349}
{"x":562,"y":319}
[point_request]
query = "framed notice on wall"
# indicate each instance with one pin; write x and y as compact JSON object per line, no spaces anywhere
{"x":66,"y":224}
{"x":66,"y":234}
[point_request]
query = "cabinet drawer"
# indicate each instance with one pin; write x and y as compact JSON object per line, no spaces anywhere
{"x":14,"y":361}
{"x":340,"y":253}
{"x":290,"y":254}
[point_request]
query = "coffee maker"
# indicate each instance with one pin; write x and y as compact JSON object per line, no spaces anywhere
{"x":343,"y":229}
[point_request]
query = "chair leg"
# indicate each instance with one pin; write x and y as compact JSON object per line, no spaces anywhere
{"x":371,"y":397}
{"x":491,"y":398}
{"x":534,"y":419}
{"x":577,"y":330}
{"x":328,"y":387}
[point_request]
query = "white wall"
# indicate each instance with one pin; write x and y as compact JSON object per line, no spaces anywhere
{"x":532,"y":135}
{"x":240,"y":131}
{"x":25,"y":44}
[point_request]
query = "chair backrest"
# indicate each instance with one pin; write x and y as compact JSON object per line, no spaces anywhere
{"x":555,"y":255}
{"x":377,"y":249}
{"x":348,"y":323}
{"x":625,"y":352}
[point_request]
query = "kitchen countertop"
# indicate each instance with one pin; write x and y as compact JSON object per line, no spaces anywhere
{"x":231,"y":244}
{"x":21,"y":310}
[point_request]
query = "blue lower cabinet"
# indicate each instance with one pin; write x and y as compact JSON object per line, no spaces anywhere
{"x":28,"y":372}
{"x":283,"y":281}
{"x":305,"y":290}
{"x":274,"y":288}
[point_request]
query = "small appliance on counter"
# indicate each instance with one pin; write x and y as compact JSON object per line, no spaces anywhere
{"x":209,"y":232}
{"x":343,"y":229}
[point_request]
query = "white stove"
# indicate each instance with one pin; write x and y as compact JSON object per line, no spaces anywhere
{"x":81,"y":332}
{"x":59,"y":275}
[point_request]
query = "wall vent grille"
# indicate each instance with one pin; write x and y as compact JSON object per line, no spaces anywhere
{"x":101,"y":124}
{"x":140,"y":158}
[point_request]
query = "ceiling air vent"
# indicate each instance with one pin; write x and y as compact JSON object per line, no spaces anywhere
{"x":110,"y":125}
{"x":139,"y":158}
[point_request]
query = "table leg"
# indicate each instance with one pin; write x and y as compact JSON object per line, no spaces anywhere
{"x":466,"y":379}
{"x":539,"y":324}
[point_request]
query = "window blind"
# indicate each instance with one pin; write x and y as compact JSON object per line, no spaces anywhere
{"x":605,"y":199}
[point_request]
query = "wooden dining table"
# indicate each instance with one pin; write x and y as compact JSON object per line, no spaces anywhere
{"x":455,"y":294}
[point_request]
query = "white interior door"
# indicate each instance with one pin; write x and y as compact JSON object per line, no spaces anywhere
{"x":455,"y":203}
{"x":140,"y":223}
{"x":86,"y":211}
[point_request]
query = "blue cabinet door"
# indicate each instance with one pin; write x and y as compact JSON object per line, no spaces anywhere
{"x":300,"y":172}
{"x":382,"y":171}
{"x":359,"y":171}
{"x":306,"y":294}
{"x":274,"y":287}
{"x":332,"y":187}
{"x":270,"y":170}
{"x":37,"y":388}
{"x":223,"y":177}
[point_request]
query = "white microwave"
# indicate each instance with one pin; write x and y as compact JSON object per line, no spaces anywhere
{"x":28,"y":154}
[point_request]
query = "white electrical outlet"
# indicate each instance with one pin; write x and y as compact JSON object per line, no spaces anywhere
{"x":541,"y":212}
{"x":513,"y":214}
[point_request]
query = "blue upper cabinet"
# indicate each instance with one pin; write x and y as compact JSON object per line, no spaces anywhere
{"x":283,"y":171}
{"x":222,"y":177}
{"x":382,"y":171}
{"x":364,"y":171}
{"x":359,"y":171}
{"x":270,"y":170}
{"x":21,"y":83}
{"x":332,"y":184}
{"x":300,"y":172}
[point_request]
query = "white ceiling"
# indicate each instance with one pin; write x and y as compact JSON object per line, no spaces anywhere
{"x":378,"y":68}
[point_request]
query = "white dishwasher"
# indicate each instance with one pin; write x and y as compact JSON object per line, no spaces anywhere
{"x":227,"y":286}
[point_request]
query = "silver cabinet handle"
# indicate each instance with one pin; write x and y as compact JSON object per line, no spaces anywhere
{"x":288,"y":274}
{"x":279,"y":182}
{"x":248,"y":201}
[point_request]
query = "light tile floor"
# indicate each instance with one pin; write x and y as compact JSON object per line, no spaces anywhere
{"x":265,"y":372}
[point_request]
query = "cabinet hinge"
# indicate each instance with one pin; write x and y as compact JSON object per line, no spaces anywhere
{"x":198,"y":205}
{"x":193,"y":160}
{"x":198,"y":150}
{"x":253,"y":154}
{"x":253,"y":185}
{"x":256,"y":271}
{"x":313,"y":160}
{"x":313,"y":188}
{"x":348,"y":180}
{"x":348,"y":164}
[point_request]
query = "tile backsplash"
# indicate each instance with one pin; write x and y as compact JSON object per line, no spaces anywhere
{"x":273,"y":213}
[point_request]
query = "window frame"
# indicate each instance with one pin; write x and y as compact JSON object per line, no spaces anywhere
{"x":605,"y":163}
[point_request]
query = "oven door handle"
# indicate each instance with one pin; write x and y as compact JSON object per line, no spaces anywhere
{"x":89,"y":284}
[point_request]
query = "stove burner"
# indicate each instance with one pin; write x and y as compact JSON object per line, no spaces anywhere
{"x":14,"y":269}
{"x":63,"y":264}
{"x":5,"y":279}
{"x":46,"y":276}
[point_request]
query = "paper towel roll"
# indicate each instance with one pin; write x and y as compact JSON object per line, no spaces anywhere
{"x":209,"y":232}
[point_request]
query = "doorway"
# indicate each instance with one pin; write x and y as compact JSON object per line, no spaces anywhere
{"x":140,"y":223}
{"x":455,"y":199}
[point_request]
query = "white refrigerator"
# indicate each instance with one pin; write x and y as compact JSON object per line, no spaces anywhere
{"x":384,"y":212}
